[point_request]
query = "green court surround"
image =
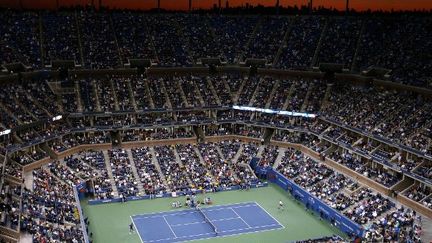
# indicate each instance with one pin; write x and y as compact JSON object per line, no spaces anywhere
{"x":109,"y":222}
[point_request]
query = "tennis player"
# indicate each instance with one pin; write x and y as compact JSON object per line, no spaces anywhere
{"x":131,"y":228}
{"x":281,"y":205}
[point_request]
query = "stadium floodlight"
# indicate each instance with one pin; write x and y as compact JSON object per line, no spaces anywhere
{"x":5,"y":132}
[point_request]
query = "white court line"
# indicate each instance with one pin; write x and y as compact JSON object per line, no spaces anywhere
{"x":176,"y":225}
{"x":218,"y":209}
{"x":248,"y":204}
{"x":136,"y":230}
{"x":137,"y":217}
{"x":159,"y":240}
{"x":187,"y":236}
{"x":224,"y":236}
{"x":270,"y":215}
{"x":170,"y":227}
{"x":180,"y":237}
{"x":170,"y":212}
{"x":224,"y":219}
{"x":241,"y":218}
{"x":256,"y":227}
{"x":162,"y":215}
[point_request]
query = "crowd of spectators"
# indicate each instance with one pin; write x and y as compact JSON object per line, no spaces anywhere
{"x":369,"y":209}
{"x":30,"y":156}
{"x":122,"y":173}
{"x":53,"y":217}
{"x":133,"y":36}
{"x":226,"y":86}
{"x":99,"y":44}
{"x":326,"y":188}
{"x":171,"y":46}
{"x":13,"y":169}
{"x":232,"y":35}
{"x":262,"y":92}
{"x":269,"y":155}
{"x":199,"y":37}
{"x":69,"y":102}
{"x":241,"y":168}
{"x":249,"y":131}
{"x":39,"y":94}
{"x":110,"y":39}
{"x":380,"y":113}
{"x":114,"y":93}
{"x":248,"y":91}
{"x":20,"y":38}
{"x":418,"y":192}
{"x":175,"y":174}
{"x":123,"y":89}
{"x":61,"y":171}
{"x":302,"y":43}
{"x":102,"y":184}
{"x":425,"y":170}
{"x":80,"y":167}
{"x":142,"y":94}
{"x":10,"y":195}
{"x":386,"y":178}
{"x":14,"y":104}
{"x":308,"y":140}
{"x":278,"y":99}
{"x":219,"y":168}
{"x":397,"y":50}
{"x":147,"y":171}
{"x":192,"y":92}
{"x":229,"y":148}
{"x":401,"y":225}
{"x":268,"y":38}
{"x":361,"y":205}
{"x":427,"y":202}
{"x":199,"y":172}
{"x":210,"y":165}
{"x":292,"y":164}
{"x":346,"y":31}
{"x":48,"y":209}
{"x":105,"y":95}
{"x":325,"y":239}
{"x":60,"y":37}
{"x":57,"y":145}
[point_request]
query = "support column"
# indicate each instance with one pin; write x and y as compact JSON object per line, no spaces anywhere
{"x":310,"y":6}
{"x":277,"y":7}
{"x":347,"y":7}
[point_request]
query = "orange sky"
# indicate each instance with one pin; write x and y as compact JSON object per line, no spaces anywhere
{"x":183,"y":4}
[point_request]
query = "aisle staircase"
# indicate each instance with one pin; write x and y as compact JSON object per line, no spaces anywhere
{"x":318,"y":47}
{"x":237,"y":155}
{"x":135,"y":173}
{"x":273,"y":91}
{"x":178,"y":160}
{"x":110,"y":175}
{"x":279,"y":157}
{"x":131,"y":95}
{"x":283,"y":43}
{"x":114,"y":93}
{"x":156,"y":163}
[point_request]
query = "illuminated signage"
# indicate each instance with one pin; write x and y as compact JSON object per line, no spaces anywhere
{"x":277,"y":112}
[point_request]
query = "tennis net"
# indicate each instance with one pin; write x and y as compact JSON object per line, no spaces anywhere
{"x":208,"y":220}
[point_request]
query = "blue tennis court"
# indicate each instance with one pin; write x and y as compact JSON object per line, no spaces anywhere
{"x":193,"y":224}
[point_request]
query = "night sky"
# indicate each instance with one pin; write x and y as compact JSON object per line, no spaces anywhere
{"x":183,"y":4}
